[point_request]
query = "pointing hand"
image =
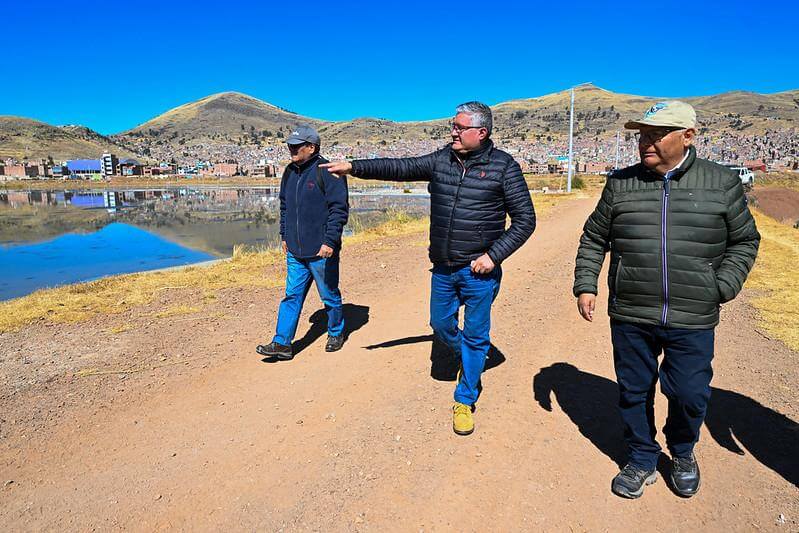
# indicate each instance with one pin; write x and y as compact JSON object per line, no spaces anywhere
{"x":338,"y":168}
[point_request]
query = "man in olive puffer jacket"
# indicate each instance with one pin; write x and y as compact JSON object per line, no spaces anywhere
{"x":682,"y":241}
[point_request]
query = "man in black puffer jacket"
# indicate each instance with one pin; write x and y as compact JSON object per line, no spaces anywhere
{"x":473,"y":188}
{"x":681,"y":241}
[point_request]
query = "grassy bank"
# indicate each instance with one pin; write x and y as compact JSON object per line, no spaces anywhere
{"x":247,"y":268}
{"x":776,"y":276}
{"x":113,"y":295}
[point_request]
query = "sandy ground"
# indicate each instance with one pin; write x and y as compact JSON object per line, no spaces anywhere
{"x":189,"y":429}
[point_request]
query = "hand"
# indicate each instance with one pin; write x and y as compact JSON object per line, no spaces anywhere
{"x":338,"y":168}
{"x":585,"y":305}
{"x":325,"y":251}
{"x":284,"y":247}
{"x":482,"y":265}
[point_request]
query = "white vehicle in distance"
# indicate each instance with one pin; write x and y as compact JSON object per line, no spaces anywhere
{"x":746,"y":175}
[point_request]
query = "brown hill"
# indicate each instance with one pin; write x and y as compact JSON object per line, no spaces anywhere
{"x":224,"y":118}
{"x":22,"y":138}
{"x":233,"y":118}
{"x":599,"y":112}
{"x":238,"y":118}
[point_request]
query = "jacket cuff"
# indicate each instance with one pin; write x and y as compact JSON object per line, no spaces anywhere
{"x":584,"y":289}
{"x":355,"y":170}
{"x":494,"y":257}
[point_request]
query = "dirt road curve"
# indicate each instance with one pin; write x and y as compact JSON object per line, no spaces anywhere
{"x":210,"y":437}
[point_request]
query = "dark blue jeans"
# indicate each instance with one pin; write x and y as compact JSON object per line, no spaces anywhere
{"x":452,"y":288}
{"x":685,"y":375}
{"x":299,"y":275}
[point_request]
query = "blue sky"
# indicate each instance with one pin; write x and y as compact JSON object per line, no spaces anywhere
{"x":113,"y":65}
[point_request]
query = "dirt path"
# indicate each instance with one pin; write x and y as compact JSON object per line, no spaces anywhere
{"x":214,"y":438}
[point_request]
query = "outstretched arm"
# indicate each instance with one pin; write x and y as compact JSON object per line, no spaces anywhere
{"x":400,"y":169}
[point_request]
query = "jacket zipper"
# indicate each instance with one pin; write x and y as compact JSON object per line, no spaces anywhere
{"x":297,"y":211}
{"x":455,"y":203}
{"x":664,"y":249}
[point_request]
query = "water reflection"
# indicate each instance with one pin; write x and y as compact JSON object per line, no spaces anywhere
{"x":200,"y":222}
{"x":116,"y":249}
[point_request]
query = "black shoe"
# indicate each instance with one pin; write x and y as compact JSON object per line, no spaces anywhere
{"x":275,"y":349}
{"x":685,"y":475}
{"x":334,"y":344}
{"x":630,"y":482}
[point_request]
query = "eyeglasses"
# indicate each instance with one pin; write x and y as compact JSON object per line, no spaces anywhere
{"x":654,"y":136}
{"x":457,"y":128}
{"x":296,"y":147}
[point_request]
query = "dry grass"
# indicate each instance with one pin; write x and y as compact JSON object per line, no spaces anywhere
{"x":788,"y":180}
{"x":113,"y":295}
{"x":776,"y":275}
{"x":249,"y":267}
{"x":176,"y":310}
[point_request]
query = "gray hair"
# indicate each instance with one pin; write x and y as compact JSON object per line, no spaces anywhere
{"x":480,"y":113}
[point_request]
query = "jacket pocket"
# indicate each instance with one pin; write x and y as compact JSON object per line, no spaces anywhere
{"x":617,"y":278}
{"x":714,"y":282}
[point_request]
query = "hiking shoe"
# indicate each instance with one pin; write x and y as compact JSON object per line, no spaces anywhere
{"x":462,"y":421}
{"x":334,"y":344}
{"x":275,"y":349}
{"x":685,"y":475}
{"x":630,"y":481}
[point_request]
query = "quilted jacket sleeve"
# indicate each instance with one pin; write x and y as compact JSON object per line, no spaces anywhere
{"x":400,"y":169}
{"x":593,"y":245}
{"x":743,"y":241}
{"x":519,"y":206}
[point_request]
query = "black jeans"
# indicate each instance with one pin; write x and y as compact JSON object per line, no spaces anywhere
{"x":685,"y":375}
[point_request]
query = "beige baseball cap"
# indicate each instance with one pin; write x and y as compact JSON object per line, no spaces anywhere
{"x":673,"y":114}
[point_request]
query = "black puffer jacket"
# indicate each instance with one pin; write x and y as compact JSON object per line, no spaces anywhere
{"x":469,"y":201}
{"x":679,"y":247}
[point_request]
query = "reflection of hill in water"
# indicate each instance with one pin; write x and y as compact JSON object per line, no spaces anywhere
{"x":35,"y":223}
{"x":215,"y":233}
{"x":207,"y":219}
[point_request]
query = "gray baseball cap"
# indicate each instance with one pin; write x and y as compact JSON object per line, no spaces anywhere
{"x":304,"y":134}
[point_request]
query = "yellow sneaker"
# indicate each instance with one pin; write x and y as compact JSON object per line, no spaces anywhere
{"x":462,"y":421}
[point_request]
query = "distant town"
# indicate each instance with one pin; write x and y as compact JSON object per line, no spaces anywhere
{"x":774,"y":151}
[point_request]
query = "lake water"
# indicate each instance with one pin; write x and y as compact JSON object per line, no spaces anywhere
{"x":50,"y":238}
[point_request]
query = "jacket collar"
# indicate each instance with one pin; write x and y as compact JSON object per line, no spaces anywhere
{"x":305,"y":164}
{"x":676,"y":174}
{"x":481,"y":155}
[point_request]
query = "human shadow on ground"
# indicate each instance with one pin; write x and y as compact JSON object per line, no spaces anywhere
{"x":590,"y":402}
{"x":355,"y":317}
{"x":771,"y":437}
{"x":444,"y":364}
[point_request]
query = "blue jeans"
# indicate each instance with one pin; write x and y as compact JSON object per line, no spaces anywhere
{"x":450,"y":289}
{"x":685,"y":375}
{"x":300,"y":273}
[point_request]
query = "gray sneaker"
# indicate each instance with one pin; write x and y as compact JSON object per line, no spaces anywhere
{"x":631,"y":481}
{"x":334,"y":344}
{"x":275,"y":349}
{"x":685,"y":475}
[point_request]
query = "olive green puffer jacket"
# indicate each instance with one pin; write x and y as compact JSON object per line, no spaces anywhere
{"x":679,"y":247}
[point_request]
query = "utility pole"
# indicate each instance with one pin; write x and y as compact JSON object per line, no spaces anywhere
{"x":571,"y":138}
{"x":571,"y":145}
{"x":616,"y":166}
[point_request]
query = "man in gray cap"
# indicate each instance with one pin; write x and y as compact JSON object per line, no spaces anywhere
{"x":682,"y":242}
{"x":313,"y":211}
